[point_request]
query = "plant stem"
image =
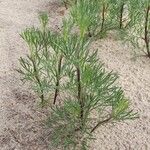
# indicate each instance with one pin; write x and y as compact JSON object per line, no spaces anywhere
{"x":103,"y":17}
{"x":45,"y":44}
{"x":38,"y":81}
{"x":146,"y":39}
{"x":100,"y":123}
{"x":58,"y":79}
{"x":121,"y":16}
{"x":79,"y":95}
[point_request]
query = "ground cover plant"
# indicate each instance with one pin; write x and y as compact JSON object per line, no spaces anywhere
{"x":97,"y":17}
{"x":89,"y":95}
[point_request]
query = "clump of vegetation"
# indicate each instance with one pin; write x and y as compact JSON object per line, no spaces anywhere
{"x":97,"y":17}
{"x":86,"y":15}
{"x":92,"y":17}
{"x":92,"y":98}
{"x":127,"y":16}
{"x":89,"y":89}
{"x":117,"y":11}
{"x":95,"y":101}
{"x":62,"y":64}
{"x":147,"y":29}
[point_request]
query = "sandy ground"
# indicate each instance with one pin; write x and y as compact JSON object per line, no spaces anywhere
{"x":21,"y":127}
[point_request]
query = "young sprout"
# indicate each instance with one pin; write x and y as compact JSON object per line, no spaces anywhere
{"x":43,"y":65}
{"x":31,"y":69}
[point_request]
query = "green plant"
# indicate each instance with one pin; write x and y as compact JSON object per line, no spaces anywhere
{"x":92,"y":98}
{"x":139,"y":35}
{"x":120,"y":7}
{"x":86,"y":15}
{"x":63,"y":61}
{"x":43,"y":66}
{"x":119,"y":11}
{"x":91,"y":102}
{"x":31,"y":64}
{"x":95,"y":18}
{"x":104,"y":11}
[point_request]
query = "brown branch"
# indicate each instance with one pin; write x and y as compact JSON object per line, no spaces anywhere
{"x":100,"y":123}
{"x":146,"y":39}
{"x":79,"y":94}
{"x":58,"y":79}
{"x":121,"y":15}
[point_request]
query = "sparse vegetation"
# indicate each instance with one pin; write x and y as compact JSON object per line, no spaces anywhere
{"x":91,"y":100}
{"x":88,"y":87}
{"x":63,"y":64}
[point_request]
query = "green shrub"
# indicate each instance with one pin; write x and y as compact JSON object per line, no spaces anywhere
{"x":43,"y":65}
{"x":63,"y":61}
{"x":92,"y":99}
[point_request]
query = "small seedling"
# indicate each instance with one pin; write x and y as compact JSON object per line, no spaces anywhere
{"x":31,"y":69}
{"x":43,"y":65}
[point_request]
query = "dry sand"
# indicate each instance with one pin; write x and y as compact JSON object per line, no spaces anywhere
{"x":20,"y":120}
